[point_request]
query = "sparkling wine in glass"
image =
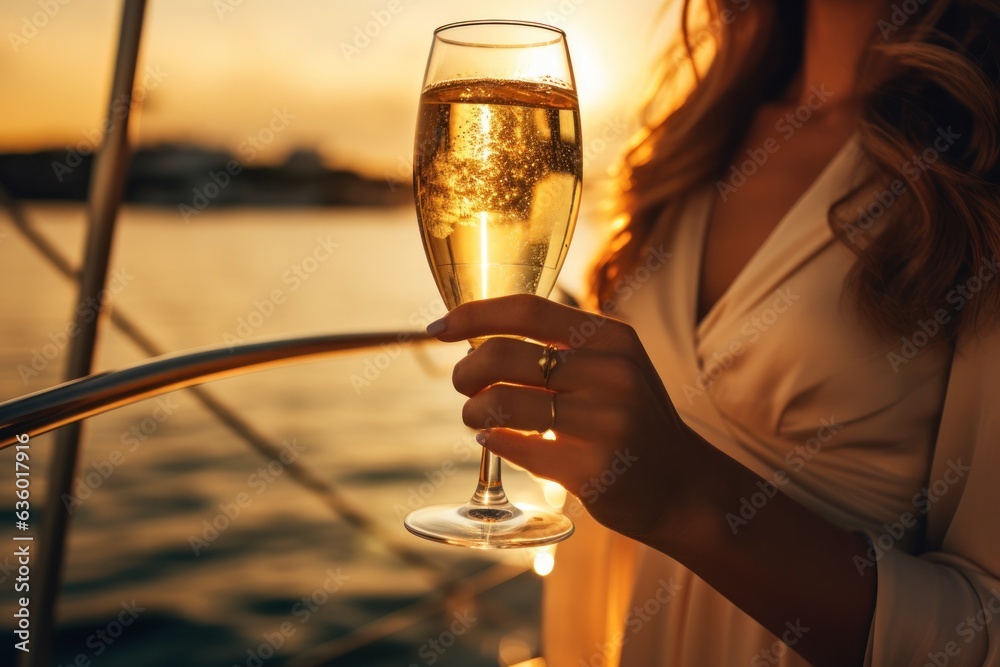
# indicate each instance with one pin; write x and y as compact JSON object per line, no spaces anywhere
{"x":497,"y":178}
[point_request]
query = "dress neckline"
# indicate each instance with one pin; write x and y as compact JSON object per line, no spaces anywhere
{"x":788,"y":244}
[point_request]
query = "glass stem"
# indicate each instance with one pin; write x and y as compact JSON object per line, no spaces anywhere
{"x":489,"y":491}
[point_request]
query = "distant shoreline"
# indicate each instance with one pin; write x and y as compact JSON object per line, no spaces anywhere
{"x":192,"y":178}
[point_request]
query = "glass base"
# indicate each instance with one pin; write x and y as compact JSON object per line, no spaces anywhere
{"x":505,"y":526}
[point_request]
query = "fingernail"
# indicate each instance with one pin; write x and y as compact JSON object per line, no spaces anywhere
{"x":481,"y":438}
{"x":436,"y":327}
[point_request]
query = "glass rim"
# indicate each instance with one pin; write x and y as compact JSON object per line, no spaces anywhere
{"x":560,"y":35}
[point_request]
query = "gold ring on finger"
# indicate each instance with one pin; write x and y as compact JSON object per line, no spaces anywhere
{"x":550,"y":433}
{"x":547,"y":362}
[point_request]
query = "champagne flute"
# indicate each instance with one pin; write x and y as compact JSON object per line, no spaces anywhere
{"x":497,"y":177}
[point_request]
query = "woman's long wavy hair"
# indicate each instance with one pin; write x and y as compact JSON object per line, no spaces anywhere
{"x":942,"y":65}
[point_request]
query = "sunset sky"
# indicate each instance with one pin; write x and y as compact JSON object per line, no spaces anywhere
{"x":217,"y":71}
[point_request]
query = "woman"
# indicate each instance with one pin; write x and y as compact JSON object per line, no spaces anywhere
{"x":790,"y":452}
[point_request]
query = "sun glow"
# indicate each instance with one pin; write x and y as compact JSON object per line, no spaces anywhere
{"x":590,"y":69}
{"x":223,"y":85}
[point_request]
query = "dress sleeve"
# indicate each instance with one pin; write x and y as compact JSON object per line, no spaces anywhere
{"x":943,"y":607}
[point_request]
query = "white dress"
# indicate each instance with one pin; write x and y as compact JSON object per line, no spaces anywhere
{"x":782,"y":377}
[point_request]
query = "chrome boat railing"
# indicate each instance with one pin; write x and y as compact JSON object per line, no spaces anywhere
{"x":75,"y":400}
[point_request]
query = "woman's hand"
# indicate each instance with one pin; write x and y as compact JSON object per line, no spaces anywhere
{"x":620,"y":446}
{"x":622,"y":449}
